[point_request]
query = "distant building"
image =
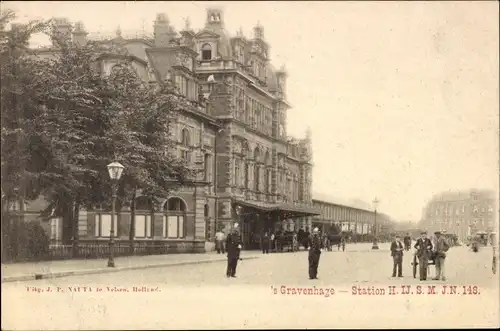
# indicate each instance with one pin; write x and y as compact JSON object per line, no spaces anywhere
{"x":462,"y":213}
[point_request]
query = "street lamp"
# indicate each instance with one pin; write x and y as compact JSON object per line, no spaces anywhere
{"x":375,"y":244}
{"x":115,"y":171}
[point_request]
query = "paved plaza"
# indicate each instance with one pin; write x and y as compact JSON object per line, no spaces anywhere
{"x":200,"y":296}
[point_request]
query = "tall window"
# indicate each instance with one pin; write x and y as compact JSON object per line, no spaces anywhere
{"x":143,"y":220}
{"x":206,"y":52}
{"x":183,"y":84}
{"x":54,"y":228}
{"x":185,"y":144}
{"x":208,"y":168}
{"x":237,"y":172}
{"x":174,"y":219}
{"x":257,"y":177}
{"x":103,"y":225}
{"x":143,"y":226}
{"x":247,"y":167}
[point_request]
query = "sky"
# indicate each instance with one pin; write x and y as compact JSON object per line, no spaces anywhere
{"x":402,"y":97}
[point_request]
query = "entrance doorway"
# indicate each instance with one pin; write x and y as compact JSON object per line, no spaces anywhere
{"x":253,"y":223}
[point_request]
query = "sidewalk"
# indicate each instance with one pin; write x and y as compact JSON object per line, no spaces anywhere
{"x":52,"y":269}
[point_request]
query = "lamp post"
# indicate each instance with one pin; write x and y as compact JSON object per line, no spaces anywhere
{"x":375,"y":243}
{"x":115,"y":171}
{"x":237,"y":209}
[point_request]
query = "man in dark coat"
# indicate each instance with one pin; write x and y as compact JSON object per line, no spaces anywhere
{"x":265,"y":243}
{"x":424,"y":253}
{"x":233,"y":248}
{"x":314,"y":253}
{"x":397,"y":257}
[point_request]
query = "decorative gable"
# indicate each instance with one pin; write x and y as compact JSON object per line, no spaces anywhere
{"x":206,"y":34}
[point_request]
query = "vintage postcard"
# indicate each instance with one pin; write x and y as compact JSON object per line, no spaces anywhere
{"x":249,"y":165}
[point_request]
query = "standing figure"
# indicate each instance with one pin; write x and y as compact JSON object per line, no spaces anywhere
{"x":440,"y":254}
{"x":407,"y":242}
{"x":233,"y":247}
{"x":314,"y":254}
{"x":219,"y":241}
{"x":295,"y":242}
{"x":397,"y":257}
{"x":265,"y":243}
{"x":342,"y":241}
{"x":273,"y":242}
{"x":424,"y":253}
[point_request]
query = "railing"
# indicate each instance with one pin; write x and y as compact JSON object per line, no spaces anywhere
{"x":100,"y":249}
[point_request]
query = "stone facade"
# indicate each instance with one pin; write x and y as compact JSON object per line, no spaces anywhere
{"x":462,"y":213}
{"x":234,"y":129}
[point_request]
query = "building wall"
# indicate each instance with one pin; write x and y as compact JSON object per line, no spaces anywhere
{"x":357,"y":220}
{"x":250,"y":157}
{"x":462,"y":213}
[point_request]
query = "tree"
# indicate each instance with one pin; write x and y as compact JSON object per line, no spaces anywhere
{"x":73,"y":121}
{"x":19,"y":111}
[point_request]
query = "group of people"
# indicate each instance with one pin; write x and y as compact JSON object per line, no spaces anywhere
{"x":232,"y":245}
{"x":425,"y":251}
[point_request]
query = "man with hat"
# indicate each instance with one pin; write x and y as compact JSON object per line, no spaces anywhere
{"x":424,"y":253}
{"x":440,"y":250}
{"x":397,"y":257}
{"x":233,"y":248}
{"x":314,"y":248}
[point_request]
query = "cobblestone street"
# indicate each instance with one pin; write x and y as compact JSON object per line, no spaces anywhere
{"x":201,"y":296}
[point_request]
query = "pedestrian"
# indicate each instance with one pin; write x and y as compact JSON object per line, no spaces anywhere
{"x":440,"y":250}
{"x":219,"y":241}
{"x":424,"y":253}
{"x":273,"y":242}
{"x":233,"y":248}
{"x":314,"y":248}
{"x":397,"y":257}
{"x":342,"y":241}
{"x":265,"y":242}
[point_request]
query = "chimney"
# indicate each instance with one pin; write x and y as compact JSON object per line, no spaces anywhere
{"x":163,"y":32}
{"x":79,"y":34}
{"x":61,"y":31}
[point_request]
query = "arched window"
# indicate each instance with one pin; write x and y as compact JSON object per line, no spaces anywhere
{"x":143,"y":221}
{"x":174,"y":218}
{"x":206,"y":52}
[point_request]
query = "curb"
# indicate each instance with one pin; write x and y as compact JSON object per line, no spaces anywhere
{"x":24,"y":278}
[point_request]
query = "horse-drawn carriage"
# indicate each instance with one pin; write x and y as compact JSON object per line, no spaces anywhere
{"x":479,"y":239}
{"x":330,"y":240}
{"x":286,"y":240}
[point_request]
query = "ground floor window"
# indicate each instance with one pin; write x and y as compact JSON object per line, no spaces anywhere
{"x":143,"y":226}
{"x":54,"y":228}
{"x":173,"y":226}
{"x":103,"y":225}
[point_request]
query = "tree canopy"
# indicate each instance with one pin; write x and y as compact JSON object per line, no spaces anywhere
{"x":64,"y":120}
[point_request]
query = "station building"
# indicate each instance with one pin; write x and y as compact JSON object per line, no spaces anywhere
{"x":233,"y":128}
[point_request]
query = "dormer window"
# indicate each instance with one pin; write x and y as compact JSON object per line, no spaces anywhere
{"x":206,"y":52}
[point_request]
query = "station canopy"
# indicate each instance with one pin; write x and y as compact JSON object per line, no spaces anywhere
{"x":282,"y":210}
